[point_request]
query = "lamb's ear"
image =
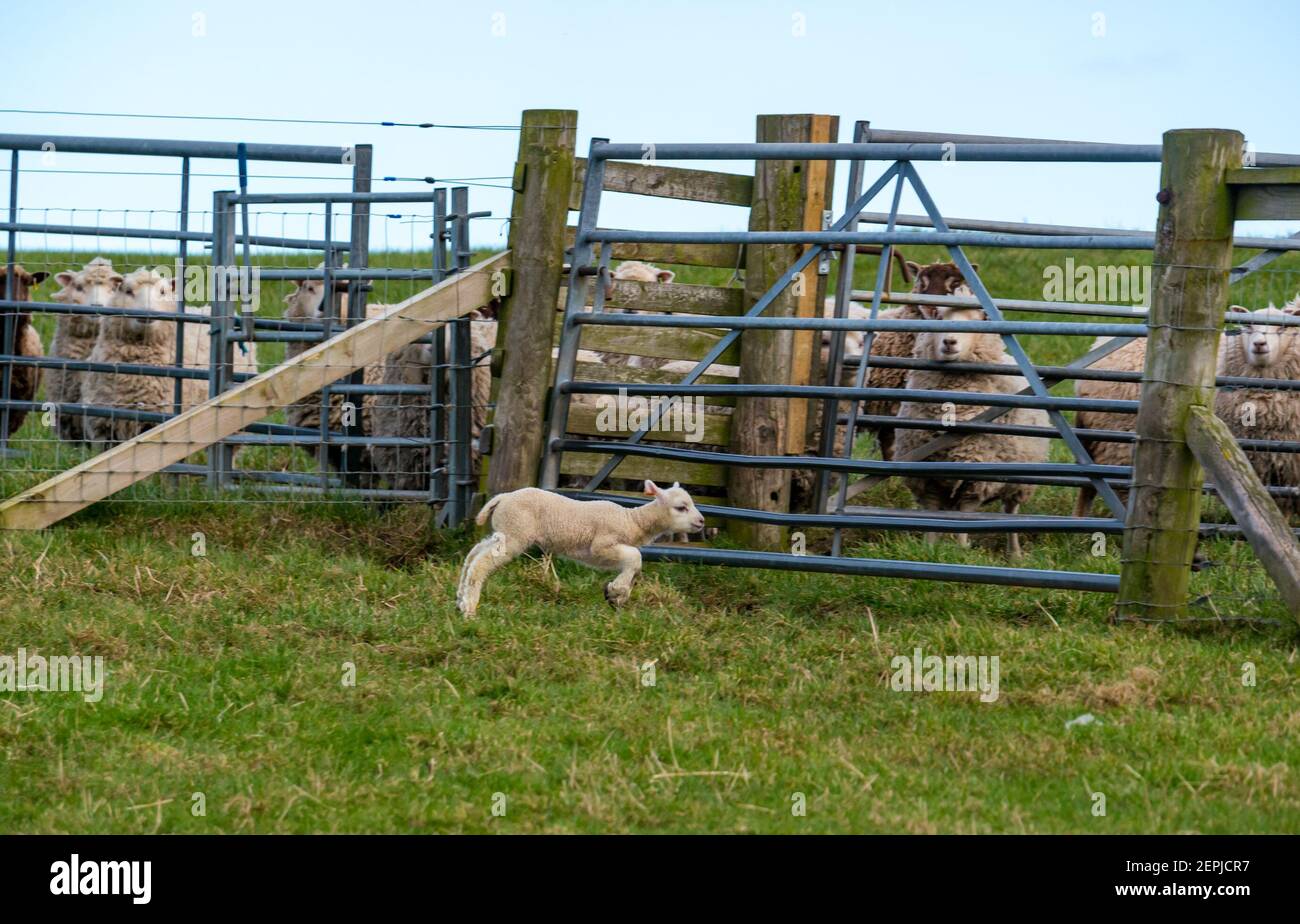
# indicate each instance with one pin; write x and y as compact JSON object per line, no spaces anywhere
{"x":665,"y":275}
{"x":652,"y":489}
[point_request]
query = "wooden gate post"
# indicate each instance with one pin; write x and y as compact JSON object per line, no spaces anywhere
{"x":788,"y":196}
{"x":542,"y":183}
{"x":1193,"y":253}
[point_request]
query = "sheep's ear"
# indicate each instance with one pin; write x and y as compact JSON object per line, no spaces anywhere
{"x":665,"y":275}
{"x":928,"y":312}
{"x":39,"y":277}
{"x":1237,"y":309}
{"x":974,"y":267}
{"x":63,"y":279}
{"x":116,"y":279}
{"x":912,"y":266}
{"x":171,"y":284}
{"x":1292,"y":307}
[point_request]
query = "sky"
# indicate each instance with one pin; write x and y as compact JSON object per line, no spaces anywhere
{"x":636,"y":72}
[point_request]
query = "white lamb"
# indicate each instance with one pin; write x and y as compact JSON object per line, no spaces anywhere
{"x":1265,"y":351}
{"x":601,"y":534}
{"x":75,"y":335}
{"x":953,"y":492}
{"x":634,"y":271}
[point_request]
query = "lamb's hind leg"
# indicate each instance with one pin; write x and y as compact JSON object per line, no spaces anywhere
{"x":489,"y":555}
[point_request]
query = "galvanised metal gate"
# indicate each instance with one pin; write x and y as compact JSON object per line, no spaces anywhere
{"x":899,"y":150}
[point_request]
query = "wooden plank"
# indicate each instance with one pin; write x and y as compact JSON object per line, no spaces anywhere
{"x":539,"y":213}
{"x":1245,"y":496}
{"x":666,"y":183}
{"x":1193,"y":252}
{"x":671,"y":297}
{"x":604,"y":372}
{"x":1266,"y":176}
{"x":1268,"y":203}
{"x":659,"y":342}
{"x":805,"y":348}
{"x":587,"y":419}
{"x":231,"y":411}
{"x":664,"y":471}
{"x":723,"y":255}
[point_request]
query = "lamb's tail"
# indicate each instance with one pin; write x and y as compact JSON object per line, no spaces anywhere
{"x":486,"y":512}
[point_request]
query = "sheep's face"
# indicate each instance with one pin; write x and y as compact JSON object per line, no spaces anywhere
{"x":636,"y":271}
{"x":307,"y":301}
{"x":86,"y":287}
{"x":682,"y":515}
{"x":1263,"y":344}
{"x":24,"y":282}
{"x":946,"y":346}
{"x":148,"y":291}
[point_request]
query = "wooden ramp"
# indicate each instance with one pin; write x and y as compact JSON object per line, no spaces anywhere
{"x":231,"y":411}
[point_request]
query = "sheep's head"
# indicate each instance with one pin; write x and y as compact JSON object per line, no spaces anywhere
{"x":307,"y":300}
{"x":147,"y":290}
{"x":636,"y":271}
{"x":92,"y":285}
{"x":24,"y":282}
{"x":683,"y":517}
{"x":946,"y":346}
{"x":1263,"y":344}
{"x":939,"y":278}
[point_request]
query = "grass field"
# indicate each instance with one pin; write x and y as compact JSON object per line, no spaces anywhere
{"x":226,"y":677}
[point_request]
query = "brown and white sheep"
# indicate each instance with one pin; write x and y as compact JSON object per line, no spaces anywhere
{"x":75,"y":335}
{"x":1129,"y":358}
{"x":953,"y":493}
{"x":24,"y":380}
{"x":1265,"y":351}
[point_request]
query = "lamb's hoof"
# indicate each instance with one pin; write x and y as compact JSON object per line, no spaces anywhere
{"x":616,"y":597}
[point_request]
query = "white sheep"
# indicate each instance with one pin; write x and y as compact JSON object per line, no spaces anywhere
{"x":634,"y":271}
{"x":1265,"y":351}
{"x":1129,"y":358}
{"x":601,"y":534}
{"x":144,"y":341}
{"x":953,"y":492}
{"x":75,"y":335}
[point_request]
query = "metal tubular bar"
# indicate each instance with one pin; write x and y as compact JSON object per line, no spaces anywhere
{"x":354,"y":458}
{"x":575,"y":302}
{"x":1009,"y":153}
{"x":10,"y":327}
{"x":184,"y":220}
{"x":875,"y":567}
{"x":438,"y":474}
{"x":160,"y":147}
{"x":812,"y":253}
{"x":986,"y":470}
{"x":356,"y":196}
{"x":458,"y":456}
{"x":347,"y":273}
{"x":1137,"y":313}
{"x":910,"y":238}
{"x":1107,"y":494}
{"x":1024,"y":227}
{"x":156,"y":234}
{"x":907,"y":520}
{"x":331,"y":306}
{"x":223,"y":242}
{"x":1071,"y":329}
{"x":859,"y":376}
{"x":843,"y":291}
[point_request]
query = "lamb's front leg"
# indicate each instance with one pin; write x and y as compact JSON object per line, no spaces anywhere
{"x":625,"y":558}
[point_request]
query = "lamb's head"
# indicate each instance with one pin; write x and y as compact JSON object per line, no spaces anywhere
{"x":1261,"y":345}
{"x":939,"y":278}
{"x":148,"y":290}
{"x":307,"y":300}
{"x":94,"y":284}
{"x":24,"y":282}
{"x":636,"y":271}
{"x":678,"y":508}
{"x":946,"y":346}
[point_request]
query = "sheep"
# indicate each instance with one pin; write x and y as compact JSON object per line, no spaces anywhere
{"x":634,"y":271}
{"x":601,"y":534}
{"x":306,"y":303}
{"x":23,"y":380}
{"x":407,"y":468}
{"x":74,"y":336}
{"x":949,"y":493}
{"x":1266,"y":351}
{"x":930,"y":279}
{"x":1129,"y":358}
{"x":144,"y":341}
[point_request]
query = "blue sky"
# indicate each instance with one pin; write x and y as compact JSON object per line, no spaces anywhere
{"x":644,"y":72}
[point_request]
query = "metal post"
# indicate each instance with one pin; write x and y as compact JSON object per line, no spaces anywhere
{"x":219,"y":358}
{"x":330,"y":304}
{"x":10,"y":319}
{"x":354,"y":456}
{"x":438,"y":375}
{"x":178,"y":385}
{"x":458,"y":455}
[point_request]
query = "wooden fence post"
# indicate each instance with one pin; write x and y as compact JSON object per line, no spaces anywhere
{"x":1193,"y":254}
{"x":784,"y":192}
{"x":542,"y":183}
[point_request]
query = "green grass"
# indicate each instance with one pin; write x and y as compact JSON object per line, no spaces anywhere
{"x":225,"y":678}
